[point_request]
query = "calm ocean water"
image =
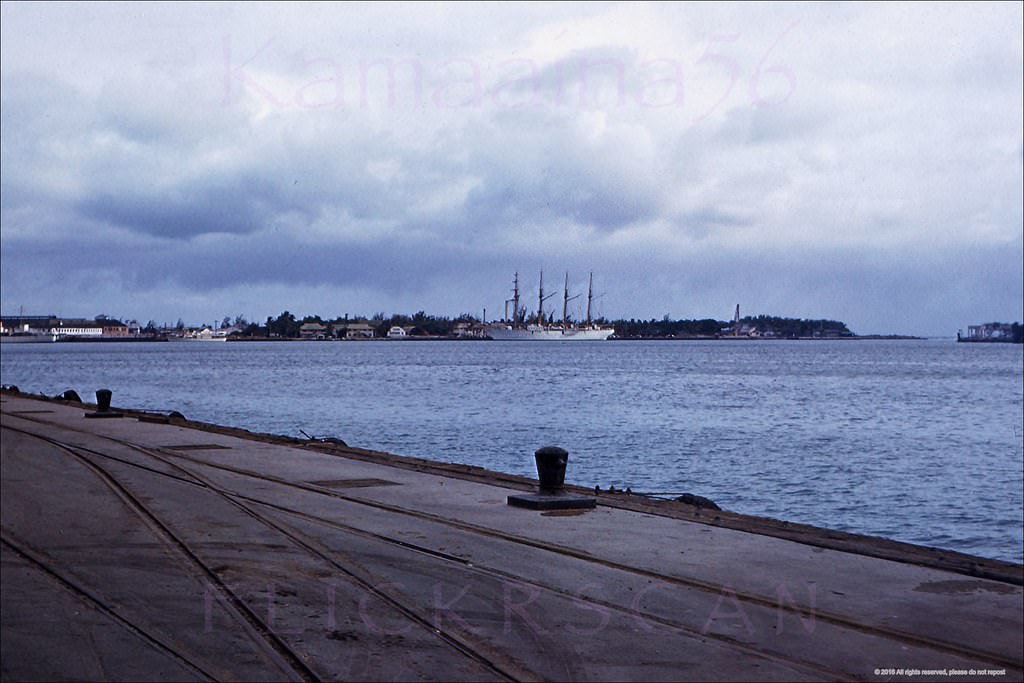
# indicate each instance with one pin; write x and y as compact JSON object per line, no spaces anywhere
{"x":920,"y":441}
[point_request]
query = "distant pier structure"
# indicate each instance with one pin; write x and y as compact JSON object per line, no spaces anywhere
{"x":993,"y":332}
{"x":26,"y":324}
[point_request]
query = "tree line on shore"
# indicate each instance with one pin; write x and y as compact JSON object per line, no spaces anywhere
{"x":420,"y":324}
{"x":288,"y":325}
{"x":750,"y":326}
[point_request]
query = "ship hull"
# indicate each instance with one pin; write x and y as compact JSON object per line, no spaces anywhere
{"x":534,"y":333}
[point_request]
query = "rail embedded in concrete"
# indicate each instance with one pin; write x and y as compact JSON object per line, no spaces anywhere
{"x":151,"y":547}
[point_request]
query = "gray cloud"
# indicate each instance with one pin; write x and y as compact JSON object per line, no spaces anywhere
{"x":241,"y":205}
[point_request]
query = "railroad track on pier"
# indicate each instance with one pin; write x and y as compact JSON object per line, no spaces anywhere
{"x":184,"y":465}
{"x":50,"y":568}
{"x":290,"y":662}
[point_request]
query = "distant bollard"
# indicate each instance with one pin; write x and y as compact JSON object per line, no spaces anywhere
{"x":551,"y":463}
{"x":71,"y":395}
{"x":103,"y":400}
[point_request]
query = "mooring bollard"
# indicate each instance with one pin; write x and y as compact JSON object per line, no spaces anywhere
{"x":103,"y":405}
{"x":103,"y":400}
{"x":551,"y":464}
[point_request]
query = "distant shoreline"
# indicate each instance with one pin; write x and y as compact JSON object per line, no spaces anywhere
{"x":867,"y":337}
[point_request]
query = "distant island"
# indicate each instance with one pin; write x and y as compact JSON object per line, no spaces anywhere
{"x":420,"y":325}
{"x":756,"y":327}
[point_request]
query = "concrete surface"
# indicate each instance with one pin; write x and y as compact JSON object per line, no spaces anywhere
{"x":145,"y":548}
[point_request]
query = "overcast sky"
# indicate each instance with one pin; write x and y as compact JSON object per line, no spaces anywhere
{"x":858,"y":162}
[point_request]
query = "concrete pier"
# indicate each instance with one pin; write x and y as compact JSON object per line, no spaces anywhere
{"x":152,"y":548}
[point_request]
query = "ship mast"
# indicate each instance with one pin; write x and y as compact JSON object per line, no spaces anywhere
{"x":590,"y":297}
{"x":515,"y":299}
{"x":565,"y":299}
{"x":540,"y":306}
{"x":565,"y":303}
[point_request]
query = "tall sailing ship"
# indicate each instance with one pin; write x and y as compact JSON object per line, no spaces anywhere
{"x":516,"y":327}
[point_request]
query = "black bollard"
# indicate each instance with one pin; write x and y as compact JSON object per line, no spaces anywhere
{"x":103,"y":400}
{"x":551,"y":463}
{"x":103,"y":405}
{"x":71,"y":395}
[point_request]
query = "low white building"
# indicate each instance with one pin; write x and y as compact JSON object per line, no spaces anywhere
{"x":359,"y":331}
{"x":76,"y":328}
{"x":26,"y":326}
{"x":990,"y":331}
{"x":469,"y":330}
{"x":314,"y":330}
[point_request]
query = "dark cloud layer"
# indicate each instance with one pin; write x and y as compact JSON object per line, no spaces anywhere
{"x":242,"y":205}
